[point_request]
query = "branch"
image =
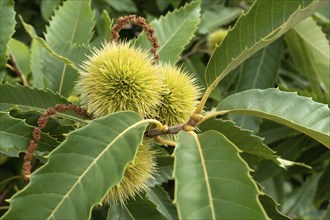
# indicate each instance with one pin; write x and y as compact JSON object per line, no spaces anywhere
{"x":189,"y":126}
{"x":17,"y":71}
{"x":171,"y":130}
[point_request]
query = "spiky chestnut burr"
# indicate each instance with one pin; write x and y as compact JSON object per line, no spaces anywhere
{"x":118,"y":77}
{"x":136,"y":176}
{"x":216,"y":38}
{"x":180,"y":97}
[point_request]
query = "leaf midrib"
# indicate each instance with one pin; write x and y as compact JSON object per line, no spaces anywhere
{"x":310,"y":43}
{"x":263,"y":54}
{"x":76,"y":23}
{"x":199,"y":147}
{"x":174,"y":33}
{"x":228,"y":67}
{"x":62,"y":79}
{"x":65,"y":196}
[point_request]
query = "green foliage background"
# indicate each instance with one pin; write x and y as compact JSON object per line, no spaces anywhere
{"x":265,"y":155}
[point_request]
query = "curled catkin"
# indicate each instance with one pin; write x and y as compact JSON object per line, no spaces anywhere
{"x":140,"y":21}
{"x":36,"y":133}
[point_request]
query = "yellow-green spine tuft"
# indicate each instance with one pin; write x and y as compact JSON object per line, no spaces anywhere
{"x":118,"y":77}
{"x":136,"y":177}
{"x":180,"y":97}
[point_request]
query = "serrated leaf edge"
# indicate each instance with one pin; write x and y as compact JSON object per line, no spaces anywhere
{"x":276,"y":116}
{"x":167,"y":196}
{"x":45,"y":46}
{"x":195,"y":137}
{"x":94,"y":161}
{"x":267,"y":40}
{"x":27,"y":125}
{"x":198,"y":2}
{"x":40,"y":110}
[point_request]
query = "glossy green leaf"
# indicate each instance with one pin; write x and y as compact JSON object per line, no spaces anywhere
{"x":248,"y":122}
{"x":271,"y":208}
{"x":73,"y":22}
{"x":68,"y":33}
{"x":264,"y":23}
{"x":36,"y":64}
{"x":55,"y":70}
{"x":117,"y":212}
{"x":122,"y":5}
{"x":20,"y":54}
{"x":258,"y":72}
{"x":327,"y":214}
{"x":163,"y":202}
{"x":103,"y":26}
{"x":48,"y":7}
{"x":28,"y":99}
{"x":56,"y":126}
{"x":217,"y":15}
{"x":7,"y":21}
{"x":139,"y":209}
{"x":273,"y":132}
{"x":164,"y":170}
{"x":323,"y":190}
{"x":323,"y":16}
{"x":317,"y":97}
{"x":310,"y":51}
{"x":289,"y":149}
{"x":50,"y":69}
{"x":243,"y":139}
{"x":81,"y":170}
{"x":174,"y":31}
{"x":62,"y":77}
{"x":108,"y":22}
{"x":211,"y":179}
{"x":300,"y":202}
{"x":43,"y":44}
{"x":15,"y":136}
{"x":300,"y":113}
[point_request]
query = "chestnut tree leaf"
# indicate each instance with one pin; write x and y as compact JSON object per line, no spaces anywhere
{"x":258,"y":72}
{"x":139,"y":208}
{"x":310,"y":51}
{"x":68,"y":34}
{"x":265,"y":22}
{"x":217,"y":15}
{"x":164,"y":170}
{"x":7,"y":21}
{"x":287,"y":108}
{"x":72,"y":22}
{"x":173,"y":31}
{"x":242,"y":138}
{"x":212,"y":181}
{"x":81,"y":170}
{"x":163,"y":202}
{"x":271,"y":208}
{"x":32,"y":99}
{"x":15,"y":136}
{"x":20,"y":54}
